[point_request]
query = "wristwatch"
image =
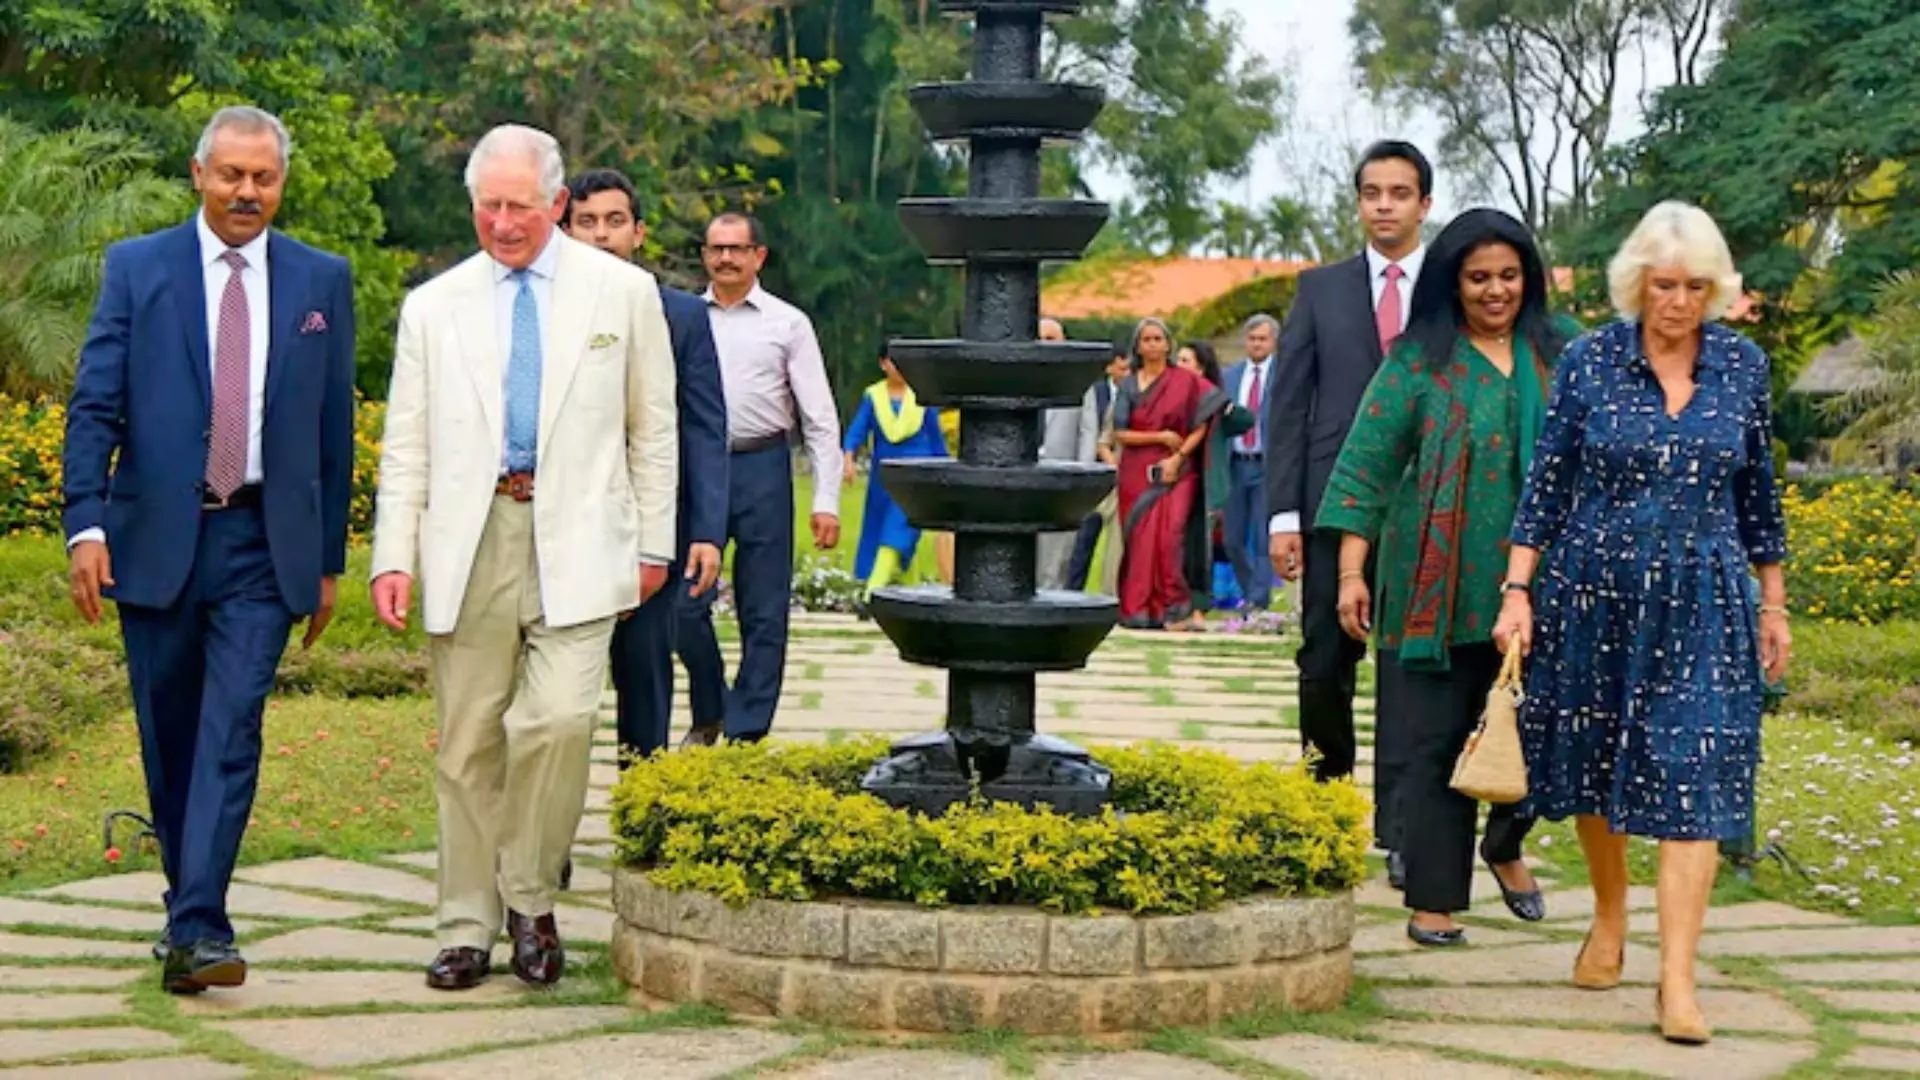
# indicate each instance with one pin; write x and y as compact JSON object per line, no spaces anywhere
{"x":1516,"y":586}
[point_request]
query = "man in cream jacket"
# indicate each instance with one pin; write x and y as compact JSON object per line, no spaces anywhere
{"x":528,"y":478}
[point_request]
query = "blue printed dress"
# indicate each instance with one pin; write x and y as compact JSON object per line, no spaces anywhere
{"x":1644,"y":691}
{"x":899,"y":428}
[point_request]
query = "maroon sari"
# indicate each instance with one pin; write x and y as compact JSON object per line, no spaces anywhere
{"x":1153,"y":583}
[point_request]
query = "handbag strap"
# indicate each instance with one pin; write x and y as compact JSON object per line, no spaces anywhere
{"x":1509,"y":669}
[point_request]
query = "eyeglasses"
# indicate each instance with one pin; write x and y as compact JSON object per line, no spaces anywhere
{"x":735,"y":250}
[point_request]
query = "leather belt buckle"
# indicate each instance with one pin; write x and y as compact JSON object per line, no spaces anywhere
{"x":516,"y":486}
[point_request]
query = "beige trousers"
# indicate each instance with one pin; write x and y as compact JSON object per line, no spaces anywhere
{"x":517,"y":703}
{"x":1116,"y":545}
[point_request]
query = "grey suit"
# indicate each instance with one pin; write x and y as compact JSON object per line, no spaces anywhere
{"x":1063,"y":438}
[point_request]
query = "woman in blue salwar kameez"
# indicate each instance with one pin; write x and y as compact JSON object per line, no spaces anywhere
{"x":899,"y":427}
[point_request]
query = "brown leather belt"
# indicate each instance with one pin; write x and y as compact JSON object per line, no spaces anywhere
{"x":763,"y":442}
{"x":517,"y":486}
{"x":245,"y":497}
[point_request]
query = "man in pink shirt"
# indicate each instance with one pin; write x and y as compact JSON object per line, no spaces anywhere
{"x":776,"y":388}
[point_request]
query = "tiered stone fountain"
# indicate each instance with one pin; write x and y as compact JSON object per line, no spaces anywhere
{"x":991,"y":630}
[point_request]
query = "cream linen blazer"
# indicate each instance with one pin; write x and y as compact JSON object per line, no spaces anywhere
{"x":607,"y":466}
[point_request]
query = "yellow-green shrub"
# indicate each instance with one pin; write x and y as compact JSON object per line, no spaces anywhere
{"x":1188,"y":830}
{"x":1854,"y":551}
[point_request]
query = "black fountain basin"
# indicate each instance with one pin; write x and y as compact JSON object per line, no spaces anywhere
{"x":1010,"y":7}
{"x":1054,"y":631}
{"x":1053,"y":112}
{"x":1002,"y":230}
{"x":953,"y":496}
{"x":1000,"y":374}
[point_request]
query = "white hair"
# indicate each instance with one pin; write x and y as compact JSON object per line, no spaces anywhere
{"x":248,"y":121}
{"x":1261,"y":319}
{"x":527,"y":143}
{"x":1673,"y":233}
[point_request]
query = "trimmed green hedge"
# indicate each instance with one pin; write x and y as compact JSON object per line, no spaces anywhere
{"x":1187,"y":831}
{"x":1227,"y":313}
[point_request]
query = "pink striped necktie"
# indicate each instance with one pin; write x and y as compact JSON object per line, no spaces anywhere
{"x":232,"y":385}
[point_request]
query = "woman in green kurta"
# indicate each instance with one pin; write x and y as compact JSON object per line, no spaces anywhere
{"x":1433,"y":468}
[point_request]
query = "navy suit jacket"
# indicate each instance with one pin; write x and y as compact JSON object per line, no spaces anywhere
{"x":144,"y":392}
{"x":1329,"y":350}
{"x":703,"y":421}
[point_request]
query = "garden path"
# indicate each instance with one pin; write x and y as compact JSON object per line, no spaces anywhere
{"x":337,"y":948}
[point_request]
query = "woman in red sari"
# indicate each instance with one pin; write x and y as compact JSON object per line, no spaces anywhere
{"x":1160,"y":418}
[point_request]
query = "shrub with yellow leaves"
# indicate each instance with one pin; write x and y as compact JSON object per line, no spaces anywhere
{"x":1854,"y":551}
{"x":1188,"y":830}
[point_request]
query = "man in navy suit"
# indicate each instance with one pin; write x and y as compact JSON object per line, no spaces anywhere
{"x":1250,"y":384}
{"x":603,"y":211}
{"x":219,"y":368}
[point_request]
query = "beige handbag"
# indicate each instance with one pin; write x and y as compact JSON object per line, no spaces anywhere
{"x":1493,"y":768}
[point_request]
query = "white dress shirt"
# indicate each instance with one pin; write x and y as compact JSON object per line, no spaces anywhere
{"x":505,"y":290}
{"x":771,"y":369}
{"x":1258,"y":372}
{"x":1289,"y":522}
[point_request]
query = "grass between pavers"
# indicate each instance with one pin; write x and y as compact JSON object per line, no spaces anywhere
{"x":349,"y":779}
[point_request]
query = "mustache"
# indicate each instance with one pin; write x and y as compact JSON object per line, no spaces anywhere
{"x":244,"y":206}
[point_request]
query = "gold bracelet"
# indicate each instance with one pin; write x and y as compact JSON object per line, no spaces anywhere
{"x":1774,"y":609}
{"x":1347,"y":575}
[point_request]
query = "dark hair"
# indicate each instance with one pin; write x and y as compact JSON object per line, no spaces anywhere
{"x":1209,"y":359}
{"x":1436,"y":320}
{"x":1123,"y":347}
{"x":1397,"y":150}
{"x":738,"y":217}
{"x":881,"y":351}
{"x":593,"y":182}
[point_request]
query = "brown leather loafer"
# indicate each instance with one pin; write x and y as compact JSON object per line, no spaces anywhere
{"x":701,"y":735}
{"x":538,"y":957}
{"x":458,"y":969}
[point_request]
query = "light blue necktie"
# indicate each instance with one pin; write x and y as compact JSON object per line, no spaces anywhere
{"x":523,"y":379}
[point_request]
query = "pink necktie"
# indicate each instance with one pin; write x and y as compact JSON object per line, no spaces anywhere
{"x":232,"y":351}
{"x":1386,"y":316}
{"x":1250,"y":442}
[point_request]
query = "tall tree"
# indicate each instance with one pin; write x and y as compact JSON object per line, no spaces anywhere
{"x":1186,"y":108}
{"x":1803,"y":141}
{"x":1526,"y":90}
{"x":1885,"y":406}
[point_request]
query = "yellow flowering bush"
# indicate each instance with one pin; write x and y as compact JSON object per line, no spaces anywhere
{"x":1187,"y":831}
{"x":1854,"y":551}
{"x":32,"y":434}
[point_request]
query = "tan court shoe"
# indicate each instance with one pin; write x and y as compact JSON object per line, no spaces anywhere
{"x":1684,"y":1030}
{"x":1590,"y":974}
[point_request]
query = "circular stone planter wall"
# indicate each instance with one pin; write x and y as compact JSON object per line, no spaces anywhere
{"x":876,"y":965}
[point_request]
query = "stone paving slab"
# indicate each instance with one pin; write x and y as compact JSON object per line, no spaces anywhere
{"x":1852,"y":971}
{"x":167,"y":1068}
{"x":47,"y":1044}
{"x":602,"y":776}
{"x":897,"y":1065}
{"x":1900,"y":1033}
{"x":1873,"y":1001}
{"x":1723,"y":1059}
{"x":14,"y":979}
{"x":270,"y":989}
{"x":1391,"y":937}
{"x":1569,"y":905}
{"x":1550,"y":964}
{"x":1333,"y":1059}
{"x":594,"y":828}
{"x":334,"y":1042}
{"x":1138,"y":1065}
{"x":16,"y":912}
{"x":1730,"y":1010}
{"x":419,"y":860}
{"x":347,"y":946}
{"x":39,"y":946}
{"x":1815,"y":941}
{"x":324,"y":874}
{"x":146,"y":887}
{"x":673,"y":1055}
{"x":1885,"y":1058}
{"x":31,"y":1008}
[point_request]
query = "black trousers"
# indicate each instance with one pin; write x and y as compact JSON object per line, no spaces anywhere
{"x":1389,"y":748}
{"x":1436,"y":822}
{"x":1328,"y":659}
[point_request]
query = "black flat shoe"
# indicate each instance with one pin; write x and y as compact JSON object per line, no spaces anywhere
{"x":206,"y":965}
{"x":1436,"y":939}
{"x":1529,"y":905}
{"x":1397,"y":871}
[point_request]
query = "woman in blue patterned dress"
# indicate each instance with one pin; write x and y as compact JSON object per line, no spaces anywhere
{"x":1650,"y":499}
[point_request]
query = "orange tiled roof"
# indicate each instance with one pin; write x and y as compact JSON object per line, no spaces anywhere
{"x":1155,"y":286}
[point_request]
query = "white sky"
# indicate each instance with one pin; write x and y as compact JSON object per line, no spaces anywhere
{"x":1307,"y":40}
